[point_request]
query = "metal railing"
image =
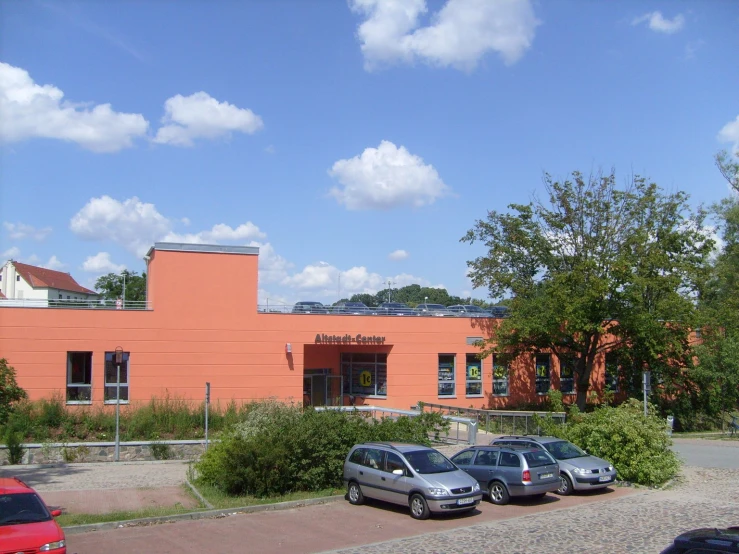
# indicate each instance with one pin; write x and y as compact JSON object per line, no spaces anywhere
{"x":469,"y":436}
{"x":503,"y":422}
{"x":340,"y":310}
{"x":74,"y":304}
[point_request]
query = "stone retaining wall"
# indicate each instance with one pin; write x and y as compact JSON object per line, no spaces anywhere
{"x":49,"y":453}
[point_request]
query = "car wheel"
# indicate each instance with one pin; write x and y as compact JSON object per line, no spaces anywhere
{"x":498,"y":493}
{"x":355,"y":494}
{"x":565,"y":485}
{"x":419,"y":507}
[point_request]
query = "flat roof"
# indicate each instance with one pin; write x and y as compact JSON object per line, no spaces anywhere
{"x":214,"y":248}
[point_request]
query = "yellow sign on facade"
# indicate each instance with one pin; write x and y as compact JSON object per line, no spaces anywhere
{"x":365,"y":379}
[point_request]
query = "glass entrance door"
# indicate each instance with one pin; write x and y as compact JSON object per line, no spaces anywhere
{"x":320,"y":388}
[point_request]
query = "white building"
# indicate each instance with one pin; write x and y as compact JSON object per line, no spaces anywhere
{"x":23,"y":282}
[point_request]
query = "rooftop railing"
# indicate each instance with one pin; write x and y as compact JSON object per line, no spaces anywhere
{"x":342,"y":310}
{"x":139,"y":305}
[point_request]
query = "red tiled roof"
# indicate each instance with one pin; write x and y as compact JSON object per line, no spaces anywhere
{"x":39,"y":277}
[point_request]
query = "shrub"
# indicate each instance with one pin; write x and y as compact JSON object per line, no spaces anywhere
{"x":13,"y":440}
{"x":638,"y":446}
{"x":280,"y":448}
{"x":160,"y":451}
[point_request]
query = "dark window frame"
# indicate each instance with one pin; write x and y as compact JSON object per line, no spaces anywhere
{"x":471,"y":383}
{"x":109,"y":386}
{"x":79,"y":390}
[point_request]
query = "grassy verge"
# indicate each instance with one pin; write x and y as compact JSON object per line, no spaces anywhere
{"x":218,"y":499}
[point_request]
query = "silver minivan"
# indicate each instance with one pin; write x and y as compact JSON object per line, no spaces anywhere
{"x":412,"y":475}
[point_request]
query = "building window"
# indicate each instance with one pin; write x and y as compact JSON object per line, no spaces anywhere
{"x":612,"y":372}
{"x":567,"y":375}
{"x":111,"y":377}
{"x":543,"y":373}
{"x":79,"y":377}
{"x":17,"y":277}
{"x":446,"y":375}
{"x":364,"y":374}
{"x":500,"y":377}
{"x":474,"y":375}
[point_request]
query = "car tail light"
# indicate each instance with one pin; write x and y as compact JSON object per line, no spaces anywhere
{"x":526,"y":475}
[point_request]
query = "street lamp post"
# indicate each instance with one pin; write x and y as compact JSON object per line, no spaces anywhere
{"x":118,"y":361}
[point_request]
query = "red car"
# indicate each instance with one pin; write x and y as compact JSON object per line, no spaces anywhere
{"x":26,"y":524}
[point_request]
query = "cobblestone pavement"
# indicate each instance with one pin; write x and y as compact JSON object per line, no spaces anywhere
{"x":642,"y":523}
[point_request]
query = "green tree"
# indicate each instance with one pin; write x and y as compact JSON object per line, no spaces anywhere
{"x":10,"y":392}
{"x":716,"y":375}
{"x":110,"y":286}
{"x":594,"y":260}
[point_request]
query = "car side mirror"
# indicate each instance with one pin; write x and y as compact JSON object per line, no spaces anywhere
{"x":398,"y":472}
{"x":56,"y":513}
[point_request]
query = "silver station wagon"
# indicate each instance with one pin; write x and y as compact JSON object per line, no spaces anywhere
{"x":578,"y":470}
{"x":410,"y":475}
{"x":506,"y":472}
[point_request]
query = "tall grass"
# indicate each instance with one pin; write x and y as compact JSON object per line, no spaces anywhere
{"x":161,"y":418}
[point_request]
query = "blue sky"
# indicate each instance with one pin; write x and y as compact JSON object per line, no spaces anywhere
{"x":358,"y":139}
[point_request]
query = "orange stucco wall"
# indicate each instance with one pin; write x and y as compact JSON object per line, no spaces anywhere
{"x":209,"y":329}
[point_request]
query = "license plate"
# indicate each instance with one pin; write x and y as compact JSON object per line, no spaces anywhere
{"x":545,"y":475}
{"x":604,"y":478}
{"x":465,"y":501}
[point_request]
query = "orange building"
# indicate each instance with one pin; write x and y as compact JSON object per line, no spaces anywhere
{"x":188,"y":334}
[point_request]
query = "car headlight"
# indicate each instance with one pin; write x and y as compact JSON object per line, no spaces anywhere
{"x":476,"y":487}
{"x":581,"y":471}
{"x":433,"y":491}
{"x":610,"y":468}
{"x":52,"y":546}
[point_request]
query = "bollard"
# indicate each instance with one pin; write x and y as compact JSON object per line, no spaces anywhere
{"x":670,"y":425}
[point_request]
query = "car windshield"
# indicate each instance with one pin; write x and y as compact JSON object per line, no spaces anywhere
{"x":564,"y":450}
{"x":309,"y":303}
{"x":429,"y":461}
{"x":473,"y":309}
{"x":22,"y":508}
{"x":355,"y":305}
{"x":394,"y":305}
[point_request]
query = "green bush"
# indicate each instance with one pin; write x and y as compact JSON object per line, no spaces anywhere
{"x":638,"y":446}
{"x":160,"y":451}
{"x":280,"y":448}
{"x":13,"y":440}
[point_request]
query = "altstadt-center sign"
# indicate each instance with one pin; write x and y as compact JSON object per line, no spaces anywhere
{"x":322,"y":338}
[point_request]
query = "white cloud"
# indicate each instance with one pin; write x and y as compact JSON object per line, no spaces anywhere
{"x":459,"y":35}
{"x":730,"y":133}
{"x":658,"y":23}
{"x":201,"y":116}
{"x":23,"y":231}
{"x":398,"y":255}
{"x":101,"y":263}
{"x":273,"y":268}
{"x":386,"y":177}
{"x":29,"y":111}
{"x":133,"y":224}
{"x":218,"y":234}
{"x":54,"y":263}
{"x":137,"y":225}
{"x":12,"y":253}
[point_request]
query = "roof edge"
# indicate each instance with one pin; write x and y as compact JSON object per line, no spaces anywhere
{"x":207,"y":248}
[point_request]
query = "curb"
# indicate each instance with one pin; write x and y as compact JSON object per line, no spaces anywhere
{"x":76,"y":529}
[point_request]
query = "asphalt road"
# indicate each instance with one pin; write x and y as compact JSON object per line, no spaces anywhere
{"x":708,"y":453}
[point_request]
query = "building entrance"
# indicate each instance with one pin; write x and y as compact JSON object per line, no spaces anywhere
{"x":320,"y":388}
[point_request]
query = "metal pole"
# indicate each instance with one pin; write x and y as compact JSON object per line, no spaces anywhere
{"x":124,"y":290}
{"x":207,"y":403}
{"x":645,"y":386}
{"x":117,"y":412}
